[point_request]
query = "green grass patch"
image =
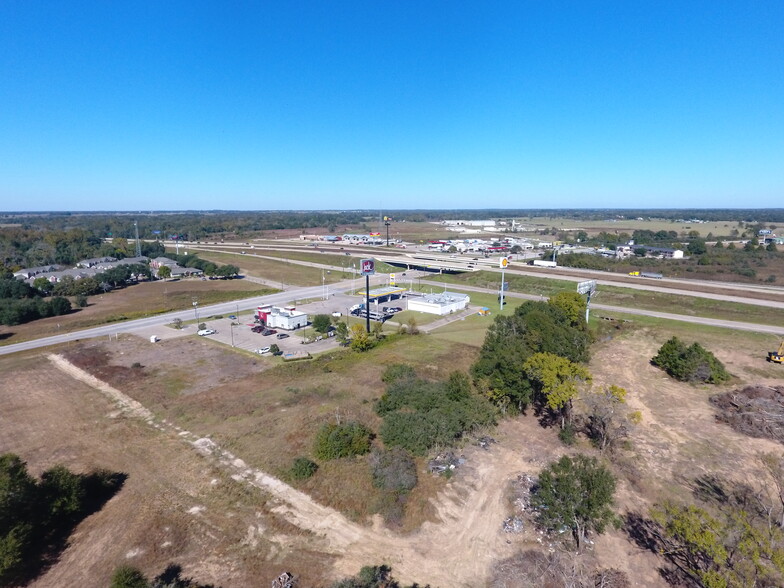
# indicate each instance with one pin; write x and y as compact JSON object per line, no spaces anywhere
{"x":625,"y":297}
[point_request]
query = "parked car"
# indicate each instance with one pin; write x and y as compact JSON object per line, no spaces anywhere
{"x":262,"y":350}
{"x":232,"y":317}
{"x":257,"y":328}
{"x":204,"y":332}
{"x":267,"y":332}
{"x":282,"y":335}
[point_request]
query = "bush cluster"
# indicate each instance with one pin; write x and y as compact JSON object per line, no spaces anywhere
{"x":692,"y":363}
{"x":334,"y":441}
{"x":419,"y":414}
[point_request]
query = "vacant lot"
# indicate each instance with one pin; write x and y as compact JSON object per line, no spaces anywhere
{"x":138,"y":301}
{"x":178,"y":506}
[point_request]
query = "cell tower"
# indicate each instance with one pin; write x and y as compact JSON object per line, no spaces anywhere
{"x":138,"y":243}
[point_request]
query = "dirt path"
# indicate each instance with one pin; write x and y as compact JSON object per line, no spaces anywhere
{"x":455,"y":552}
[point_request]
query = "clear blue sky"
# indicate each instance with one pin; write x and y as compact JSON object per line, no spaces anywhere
{"x":390,"y":104}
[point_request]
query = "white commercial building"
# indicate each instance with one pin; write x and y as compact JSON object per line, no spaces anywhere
{"x":440,"y":304}
{"x":282,"y":318}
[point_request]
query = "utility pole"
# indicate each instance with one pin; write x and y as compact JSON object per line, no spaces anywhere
{"x":386,"y":224}
{"x":138,"y":243}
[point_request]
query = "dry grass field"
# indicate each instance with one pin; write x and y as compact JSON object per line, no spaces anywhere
{"x":137,"y":301}
{"x":178,"y":506}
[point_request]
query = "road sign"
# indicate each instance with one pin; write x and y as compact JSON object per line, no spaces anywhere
{"x":586,"y":287}
{"x":367,"y":267}
{"x":503,"y":262}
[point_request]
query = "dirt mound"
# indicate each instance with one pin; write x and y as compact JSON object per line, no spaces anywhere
{"x":757,"y":411}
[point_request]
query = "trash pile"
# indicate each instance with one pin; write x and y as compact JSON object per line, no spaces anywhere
{"x":513,"y":525}
{"x":285,"y":580}
{"x":444,"y":462}
{"x":485,"y":442}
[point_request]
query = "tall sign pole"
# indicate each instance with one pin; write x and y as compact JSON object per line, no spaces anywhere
{"x":588,"y":287}
{"x":368,"y":268}
{"x":502,"y":263}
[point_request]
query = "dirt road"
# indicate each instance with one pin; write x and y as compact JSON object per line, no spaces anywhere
{"x":457,"y":551}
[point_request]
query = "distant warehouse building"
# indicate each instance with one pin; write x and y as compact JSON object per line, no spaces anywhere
{"x":441,"y":303}
{"x":288,"y":317}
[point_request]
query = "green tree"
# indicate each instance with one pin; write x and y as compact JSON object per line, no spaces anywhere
{"x":274,"y":348}
{"x":43,"y":284}
{"x":360,"y":340}
{"x":576,"y":493}
{"x":556,"y":379}
{"x":164,"y":272}
{"x":771,"y":247}
{"x":321,"y":323}
{"x":573,"y":306}
{"x":534,"y":327}
{"x":341,"y":332}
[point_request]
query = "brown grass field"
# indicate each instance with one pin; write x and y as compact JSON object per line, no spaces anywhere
{"x":180,"y":507}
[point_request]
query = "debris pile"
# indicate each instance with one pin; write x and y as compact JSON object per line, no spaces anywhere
{"x":757,"y":411}
{"x":513,"y":525}
{"x":485,"y":442}
{"x":521,"y":491}
{"x":285,"y":580}
{"x":444,"y":462}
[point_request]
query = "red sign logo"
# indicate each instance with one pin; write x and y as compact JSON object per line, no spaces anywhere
{"x":368,"y":267}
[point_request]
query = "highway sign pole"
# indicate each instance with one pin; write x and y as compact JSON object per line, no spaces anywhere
{"x":503,"y":262}
{"x":588,"y":287}
{"x":367,"y":302}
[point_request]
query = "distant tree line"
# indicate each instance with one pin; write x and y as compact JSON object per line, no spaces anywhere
{"x":37,"y":246}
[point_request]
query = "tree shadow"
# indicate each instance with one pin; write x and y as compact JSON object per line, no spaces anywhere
{"x":4,"y":336}
{"x":645,"y":533}
{"x":172,"y":576}
{"x":51,"y":537}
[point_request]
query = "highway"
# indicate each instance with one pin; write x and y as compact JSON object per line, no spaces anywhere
{"x":185,"y":315}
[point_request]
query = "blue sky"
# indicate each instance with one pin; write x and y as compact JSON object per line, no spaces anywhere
{"x":380,"y":104}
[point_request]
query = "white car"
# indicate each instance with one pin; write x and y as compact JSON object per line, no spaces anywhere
{"x":204,"y":332}
{"x":262,"y":350}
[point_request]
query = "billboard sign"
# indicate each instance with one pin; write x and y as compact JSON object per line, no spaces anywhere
{"x":367,"y":267}
{"x":391,"y":279}
{"x":586,"y":287}
{"x":503,"y":262}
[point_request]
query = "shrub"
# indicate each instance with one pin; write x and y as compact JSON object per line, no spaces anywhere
{"x":303,"y":468}
{"x":393,"y":469}
{"x":690,"y":364}
{"x":128,"y":577}
{"x":334,"y":441}
{"x":419,"y":414}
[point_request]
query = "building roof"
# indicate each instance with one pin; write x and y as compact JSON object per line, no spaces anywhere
{"x":383,"y":291}
{"x":442,"y":298}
